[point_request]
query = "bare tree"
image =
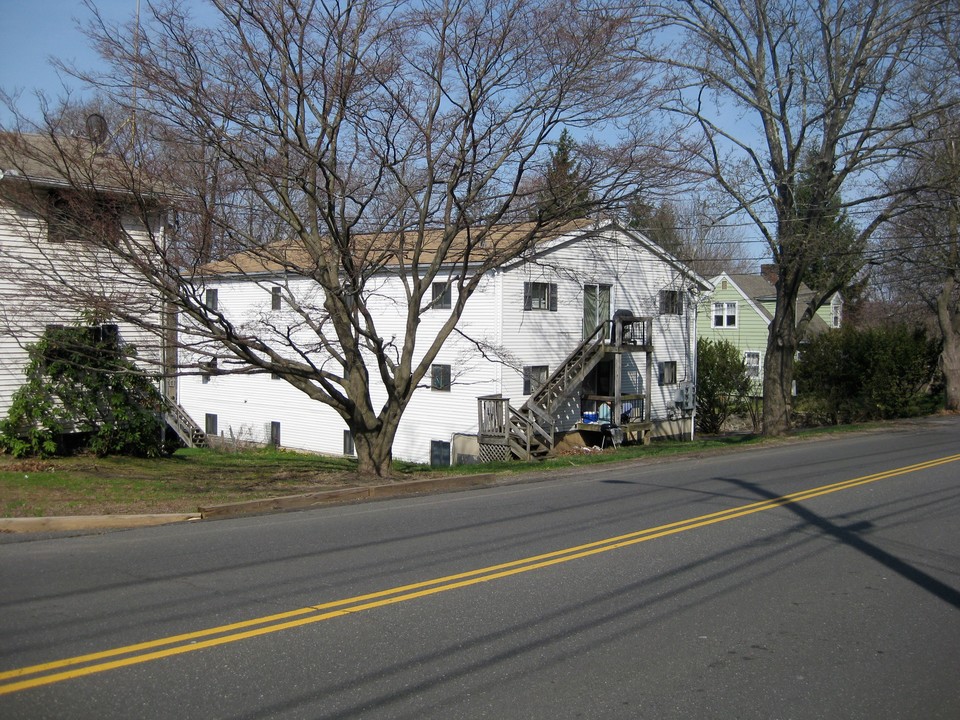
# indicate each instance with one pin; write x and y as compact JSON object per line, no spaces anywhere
{"x":688,"y":230}
{"x":798,"y":104}
{"x":922,"y":247}
{"x":352,"y":141}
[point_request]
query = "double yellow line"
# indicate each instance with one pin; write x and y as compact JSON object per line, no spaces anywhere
{"x":12,"y":681}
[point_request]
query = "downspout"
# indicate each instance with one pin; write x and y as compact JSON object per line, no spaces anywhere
{"x":692,"y":350}
{"x":498,"y":297}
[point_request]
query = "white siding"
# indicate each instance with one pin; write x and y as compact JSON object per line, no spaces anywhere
{"x":246,"y":404}
{"x":636,"y":275}
{"x":30,"y":300}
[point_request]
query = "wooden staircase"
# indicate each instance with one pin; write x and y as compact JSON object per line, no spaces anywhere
{"x":183,"y":425}
{"x":528,"y":432}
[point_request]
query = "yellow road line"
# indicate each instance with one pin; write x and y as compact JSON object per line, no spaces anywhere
{"x":211,"y":637}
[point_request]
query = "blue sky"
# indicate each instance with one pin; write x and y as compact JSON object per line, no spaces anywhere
{"x":31,"y":31}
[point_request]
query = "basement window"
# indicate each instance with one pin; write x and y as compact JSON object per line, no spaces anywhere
{"x":439,"y":453}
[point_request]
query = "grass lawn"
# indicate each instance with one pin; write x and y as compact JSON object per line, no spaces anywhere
{"x":88,"y":485}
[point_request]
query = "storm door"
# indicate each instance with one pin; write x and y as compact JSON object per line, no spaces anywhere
{"x":596,"y":307}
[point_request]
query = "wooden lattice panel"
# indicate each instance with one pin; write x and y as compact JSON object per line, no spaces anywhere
{"x":493,"y":453}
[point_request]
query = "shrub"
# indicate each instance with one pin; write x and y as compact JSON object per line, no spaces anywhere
{"x":722,"y":383}
{"x":853,"y":375}
{"x":83,"y":385}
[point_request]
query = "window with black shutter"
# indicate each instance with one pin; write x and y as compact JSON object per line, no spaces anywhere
{"x":540,"y":296}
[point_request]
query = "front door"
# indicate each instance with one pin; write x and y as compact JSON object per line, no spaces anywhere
{"x":596,"y":307}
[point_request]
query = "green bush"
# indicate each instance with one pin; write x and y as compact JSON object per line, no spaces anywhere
{"x":722,"y":383}
{"x":83,"y":391}
{"x":853,"y":375}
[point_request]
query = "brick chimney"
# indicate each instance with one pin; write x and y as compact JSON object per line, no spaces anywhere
{"x":770,"y":273}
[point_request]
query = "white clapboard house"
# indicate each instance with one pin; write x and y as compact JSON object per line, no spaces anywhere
{"x":62,"y":205}
{"x":596,"y":328}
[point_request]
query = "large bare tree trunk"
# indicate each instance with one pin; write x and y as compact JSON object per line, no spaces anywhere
{"x":374,"y":453}
{"x":778,"y":365}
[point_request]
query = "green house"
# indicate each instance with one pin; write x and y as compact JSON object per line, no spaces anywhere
{"x":741,"y":307}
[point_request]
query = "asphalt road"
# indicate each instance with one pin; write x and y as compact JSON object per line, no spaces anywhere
{"x":810,"y":580}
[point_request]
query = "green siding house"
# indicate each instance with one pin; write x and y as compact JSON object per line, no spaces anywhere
{"x":740,"y":310}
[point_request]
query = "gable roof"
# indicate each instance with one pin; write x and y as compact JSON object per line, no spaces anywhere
{"x":59,"y":162}
{"x":634,"y":235}
{"x":758,"y":289}
{"x":389,"y":248}
{"x":475,"y":245}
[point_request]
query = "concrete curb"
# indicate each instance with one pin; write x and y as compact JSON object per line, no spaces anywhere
{"x":91,"y":522}
{"x":248,"y":507}
{"x":345,"y":495}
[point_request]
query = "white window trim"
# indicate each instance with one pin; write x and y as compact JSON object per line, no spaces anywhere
{"x":726,"y":305}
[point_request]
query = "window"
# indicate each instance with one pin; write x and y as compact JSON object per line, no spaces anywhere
{"x":348,"y":447}
{"x":441,"y":296}
{"x":752,"y":360}
{"x":210,"y":424}
{"x":724,"y":315}
{"x":71,"y":217}
{"x":440,"y":377}
{"x":439,"y":453}
{"x":207,"y":368}
{"x":210,"y":299}
{"x":671,"y":302}
{"x":534,"y":376}
{"x":274,"y":429}
{"x":540,"y":296}
{"x":667,"y":372}
{"x":276,"y":299}
{"x":836,"y":314}
{"x":596,"y":307}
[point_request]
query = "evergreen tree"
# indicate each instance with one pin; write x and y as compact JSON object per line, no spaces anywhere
{"x":565,"y":194}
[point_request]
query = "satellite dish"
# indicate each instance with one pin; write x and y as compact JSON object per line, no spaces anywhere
{"x":96,"y":128}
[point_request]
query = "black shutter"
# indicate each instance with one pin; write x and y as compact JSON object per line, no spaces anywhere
{"x":526,"y":381}
{"x":659,"y":373}
{"x":527,"y":300}
{"x":553,"y":297}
